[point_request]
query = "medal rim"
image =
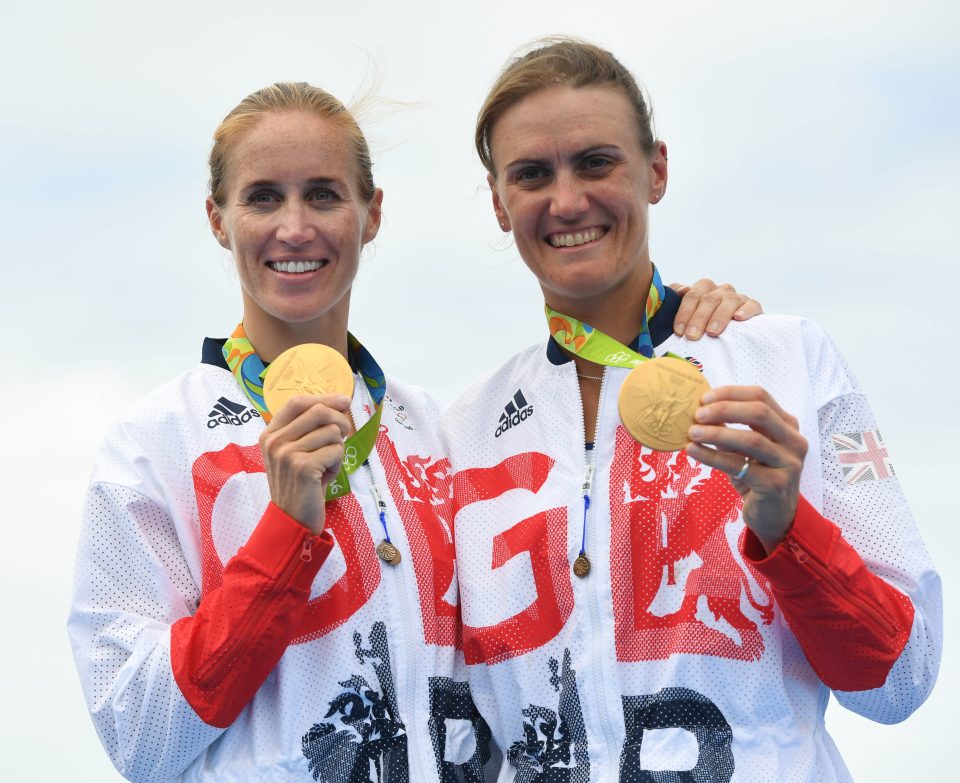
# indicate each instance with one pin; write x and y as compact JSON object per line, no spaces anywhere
{"x":651,"y":441}
{"x":328,"y":357}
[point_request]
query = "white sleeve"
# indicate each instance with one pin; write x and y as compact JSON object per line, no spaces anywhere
{"x":131,"y":584}
{"x":863,"y":496}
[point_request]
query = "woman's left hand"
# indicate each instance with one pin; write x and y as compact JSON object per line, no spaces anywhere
{"x":708,"y":307}
{"x":767,"y":457}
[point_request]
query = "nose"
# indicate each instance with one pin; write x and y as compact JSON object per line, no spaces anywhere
{"x":296,"y":225}
{"x":568,"y":198}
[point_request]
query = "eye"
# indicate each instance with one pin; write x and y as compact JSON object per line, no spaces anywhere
{"x":596,"y":164}
{"x":322,"y":194}
{"x":262,"y":197}
{"x":530,"y":175}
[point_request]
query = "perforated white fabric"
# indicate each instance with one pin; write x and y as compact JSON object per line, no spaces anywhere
{"x":373,"y":680}
{"x":670,"y":656}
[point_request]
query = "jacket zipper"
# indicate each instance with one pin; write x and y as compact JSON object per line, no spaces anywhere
{"x":398,"y":573}
{"x":866,"y":607}
{"x":226,"y":659}
{"x":594,"y":610}
{"x":586,"y":489}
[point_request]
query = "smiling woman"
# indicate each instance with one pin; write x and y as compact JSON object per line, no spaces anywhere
{"x":231,"y":618}
{"x":293,"y":215}
{"x":691,"y":572}
{"x":265,"y":583}
{"x":578,"y":213}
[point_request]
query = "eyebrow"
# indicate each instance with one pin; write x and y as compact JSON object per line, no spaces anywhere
{"x":586,"y":152}
{"x":270,"y":183}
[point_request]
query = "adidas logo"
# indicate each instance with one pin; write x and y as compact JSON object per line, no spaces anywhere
{"x":514,"y":412}
{"x":227,"y":412}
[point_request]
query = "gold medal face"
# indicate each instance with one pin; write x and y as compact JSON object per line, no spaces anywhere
{"x":388,"y":553}
{"x":658,"y":400}
{"x":310,"y":368}
{"x":581,"y":566}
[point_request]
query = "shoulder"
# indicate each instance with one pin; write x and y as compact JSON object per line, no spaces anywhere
{"x":191,"y":395}
{"x":781,"y":352}
{"x":413,"y":398}
{"x":769,"y":333}
{"x":774,"y":326}
{"x":524,"y":367}
{"x":410,"y":418}
{"x":172,"y":425}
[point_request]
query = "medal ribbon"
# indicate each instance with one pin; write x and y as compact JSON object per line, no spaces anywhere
{"x":595,"y":346}
{"x":249,"y":370}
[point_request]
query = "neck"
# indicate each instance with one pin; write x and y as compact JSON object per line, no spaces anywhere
{"x":618,"y":313}
{"x":270,"y":337}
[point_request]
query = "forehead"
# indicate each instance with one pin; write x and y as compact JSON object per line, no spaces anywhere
{"x":562,"y":120}
{"x":292,"y":146}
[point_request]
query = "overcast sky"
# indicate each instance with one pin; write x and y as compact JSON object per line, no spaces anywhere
{"x":814,"y":163}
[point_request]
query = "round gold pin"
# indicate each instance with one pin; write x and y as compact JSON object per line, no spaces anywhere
{"x":581,"y":566}
{"x":658,"y":400}
{"x":388,"y":553}
{"x":310,"y":368}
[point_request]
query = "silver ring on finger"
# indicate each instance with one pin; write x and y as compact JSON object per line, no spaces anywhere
{"x":743,"y":469}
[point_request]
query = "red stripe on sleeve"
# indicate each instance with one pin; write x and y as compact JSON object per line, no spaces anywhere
{"x":850,"y":623}
{"x":222,"y":654}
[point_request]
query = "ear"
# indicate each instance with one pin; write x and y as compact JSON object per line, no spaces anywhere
{"x":658,"y":173}
{"x":374,"y":216}
{"x":502,"y":217}
{"x":216,"y":223}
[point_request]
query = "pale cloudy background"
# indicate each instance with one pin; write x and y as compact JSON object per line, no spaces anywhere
{"x":814,"y":163}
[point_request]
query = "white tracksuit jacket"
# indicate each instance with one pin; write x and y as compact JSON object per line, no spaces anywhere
{"x":360,"y":675}
{"x":686,"y":654}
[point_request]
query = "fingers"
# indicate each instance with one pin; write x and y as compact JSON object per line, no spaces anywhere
{"x":740,"y":427}
{"x":727,"y":462}
{"x":756,"y":394}
{"x":295,"y":406}
{"x":729,"y":304}
{"x":767,"y":434}
{"x":689,"y":302}
{"x":748,"y":310}
{"x":708,"y":307}
{"x":303,"y":448}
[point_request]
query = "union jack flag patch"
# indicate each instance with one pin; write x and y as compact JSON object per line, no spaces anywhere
{"x":862,"y":456}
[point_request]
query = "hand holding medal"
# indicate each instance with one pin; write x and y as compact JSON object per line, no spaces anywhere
{"x":311,"y":383}
{"x":303,"y":448}
{"x":660,"y":395}
{"x":764,"y":458}
{"x":305,"y":398}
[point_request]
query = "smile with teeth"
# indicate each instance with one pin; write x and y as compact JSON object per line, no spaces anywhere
{"x":576,"y":238}
{"x":297,"y":267}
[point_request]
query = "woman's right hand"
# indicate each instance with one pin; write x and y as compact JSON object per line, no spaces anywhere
{"x":302,"y":452}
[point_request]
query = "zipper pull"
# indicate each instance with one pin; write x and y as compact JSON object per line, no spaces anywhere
{"x":796,"y":551}
{"x":381,"y":506}
{"x":588,"y":481}
{"x":306,"y":551}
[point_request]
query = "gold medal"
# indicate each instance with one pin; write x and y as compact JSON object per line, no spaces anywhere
{"x":388,"y":553}
{"x":581,"y":566}
{"x":658,"y":400}
{"x":310,"y":368}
